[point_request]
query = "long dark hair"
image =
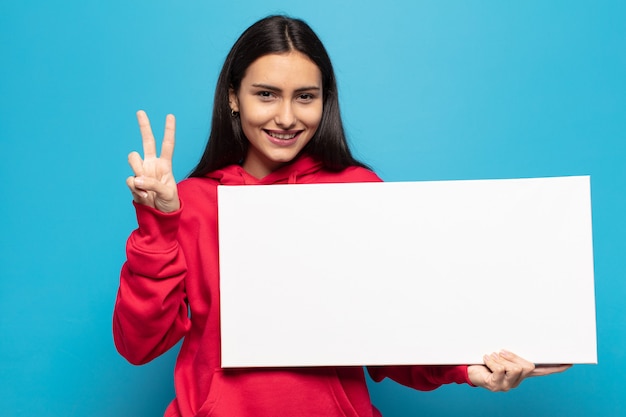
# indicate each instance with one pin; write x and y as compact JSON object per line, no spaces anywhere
{"x":227,"y":143}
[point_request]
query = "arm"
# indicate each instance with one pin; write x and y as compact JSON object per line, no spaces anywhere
{"x":421,"y":377}
{"x":150,"y":313}
{"x":501,"y":372}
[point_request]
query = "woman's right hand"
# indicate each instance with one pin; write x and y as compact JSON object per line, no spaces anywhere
{"x":153,"y":183}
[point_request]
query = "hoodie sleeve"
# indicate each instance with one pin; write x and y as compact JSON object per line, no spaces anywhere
{"x":150,"y":313}
{"x":422,"y":377}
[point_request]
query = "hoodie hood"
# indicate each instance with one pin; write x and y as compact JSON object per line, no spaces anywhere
{"x":303,"y":166}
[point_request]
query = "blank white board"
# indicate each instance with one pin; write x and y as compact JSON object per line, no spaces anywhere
{"x":399,"y":273}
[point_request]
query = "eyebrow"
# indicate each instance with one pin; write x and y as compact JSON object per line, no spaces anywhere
{"x":279,"y":90}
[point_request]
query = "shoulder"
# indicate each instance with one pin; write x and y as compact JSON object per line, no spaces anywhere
{"x":198,"y":191}
{"x":350,"y":174}
{"x":361,"y":174}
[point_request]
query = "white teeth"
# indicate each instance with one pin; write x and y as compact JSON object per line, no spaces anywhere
{"x":282,"y":136}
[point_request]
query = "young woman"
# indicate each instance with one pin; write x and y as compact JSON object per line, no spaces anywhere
{"x":275,"y":120}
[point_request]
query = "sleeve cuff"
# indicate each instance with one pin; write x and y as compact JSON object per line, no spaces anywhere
{"x":157,"y":230}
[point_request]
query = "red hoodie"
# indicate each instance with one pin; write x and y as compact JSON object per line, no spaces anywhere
{"x":169,"y":289}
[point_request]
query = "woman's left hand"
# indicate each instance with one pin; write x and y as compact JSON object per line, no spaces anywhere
{"x":505,"y":370}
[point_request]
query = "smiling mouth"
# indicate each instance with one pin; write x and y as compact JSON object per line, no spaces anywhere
{"x":282,"y":136}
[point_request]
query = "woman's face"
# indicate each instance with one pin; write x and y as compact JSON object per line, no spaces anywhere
{"x":280,"y":105}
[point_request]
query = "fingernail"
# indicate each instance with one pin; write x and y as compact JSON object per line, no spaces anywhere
{"x":138,"y":181}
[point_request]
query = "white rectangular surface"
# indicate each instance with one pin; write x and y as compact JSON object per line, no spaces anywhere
{"x":435,"y":272}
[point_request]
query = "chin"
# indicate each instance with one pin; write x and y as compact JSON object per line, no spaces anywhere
{"x":284,"y":158}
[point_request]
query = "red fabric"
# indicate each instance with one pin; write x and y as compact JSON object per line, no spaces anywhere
{"x":169,"y":289}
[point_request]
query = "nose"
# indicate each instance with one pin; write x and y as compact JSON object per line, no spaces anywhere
{"x":285,"y":116}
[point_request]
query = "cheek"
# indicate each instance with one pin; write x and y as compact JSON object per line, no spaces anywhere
{"x":311,"y":116}
{"x":254,"y":115}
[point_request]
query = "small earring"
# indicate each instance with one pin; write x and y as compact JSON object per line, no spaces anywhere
{"x":233,"y":113}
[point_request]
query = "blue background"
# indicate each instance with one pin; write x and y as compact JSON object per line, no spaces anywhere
{"x":429,"y":90}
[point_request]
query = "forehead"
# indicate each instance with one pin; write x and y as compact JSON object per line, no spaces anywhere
{"x":291,"y":68}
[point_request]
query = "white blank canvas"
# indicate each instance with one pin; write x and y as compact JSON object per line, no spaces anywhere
{"x":435,"y":272}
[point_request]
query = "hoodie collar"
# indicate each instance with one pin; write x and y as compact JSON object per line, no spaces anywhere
{"x":302,"y":166}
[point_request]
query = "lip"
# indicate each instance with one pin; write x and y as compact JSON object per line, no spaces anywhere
{"x":282,"y":141}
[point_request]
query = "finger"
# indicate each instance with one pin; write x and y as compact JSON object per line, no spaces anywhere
{"x":498,"y":370}
{"x":527,"y":367}
{"x":149,"y":147}
{"x":512,"y":356}
{"x":143,"y":184}
{"x":505,"y":374}
{"x":513,"y":376}
{"x":516,"y":368}
{"x":138,"y":195}
{"x":169,"y":138}
{"x":542,"y":370}
{"x":136,"y":163}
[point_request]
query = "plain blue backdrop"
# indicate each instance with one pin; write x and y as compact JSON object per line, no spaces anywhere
{"x":429,"y":90}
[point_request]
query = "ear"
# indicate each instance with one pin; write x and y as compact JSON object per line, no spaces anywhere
{"x":233,"y":101}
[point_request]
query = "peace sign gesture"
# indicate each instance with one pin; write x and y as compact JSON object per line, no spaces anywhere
{"x":153,"y":183}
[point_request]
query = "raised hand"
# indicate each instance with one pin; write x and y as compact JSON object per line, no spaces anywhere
{"x":153,"y":183}
{"x":505,"y":370}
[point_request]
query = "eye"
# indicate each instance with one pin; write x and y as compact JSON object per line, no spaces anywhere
{"x":306,"y":97}
{"x":265,"y":95}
